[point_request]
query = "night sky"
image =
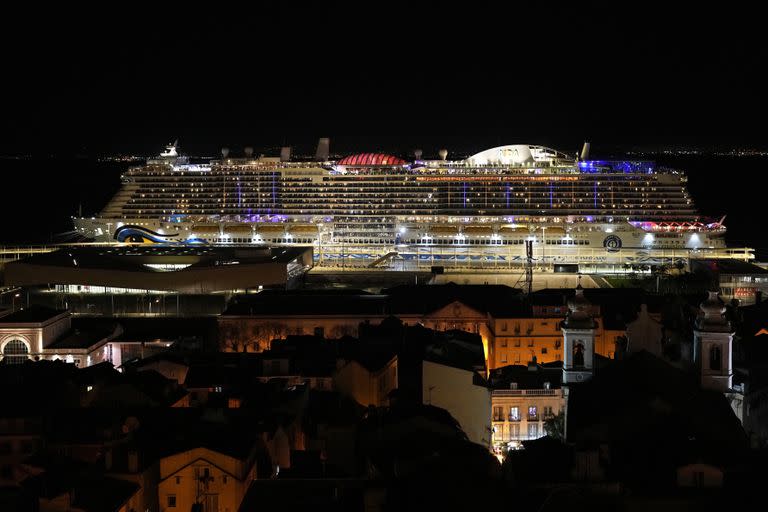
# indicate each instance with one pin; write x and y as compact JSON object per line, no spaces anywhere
{"x":91,"y":81}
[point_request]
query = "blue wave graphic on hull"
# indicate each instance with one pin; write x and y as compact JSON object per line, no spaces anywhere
{"x":137,"y":234}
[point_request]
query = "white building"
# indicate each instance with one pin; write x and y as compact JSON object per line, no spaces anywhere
{"x":42,"y":333}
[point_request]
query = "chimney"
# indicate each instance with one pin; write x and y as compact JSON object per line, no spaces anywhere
{"x":443,"y":154}
{"x":323,"y":149}
{"x":585,"y":152}
{"x":285,"y":154}
{"x":248,"y":152}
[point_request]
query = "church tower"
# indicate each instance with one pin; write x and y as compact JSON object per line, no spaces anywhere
{"x":712,"y":345}
{"x":578,"y":340}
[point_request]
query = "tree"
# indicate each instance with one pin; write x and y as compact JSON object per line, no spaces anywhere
{"x":555,"y":426}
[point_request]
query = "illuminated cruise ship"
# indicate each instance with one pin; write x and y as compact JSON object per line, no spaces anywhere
{"x":500,"y":208}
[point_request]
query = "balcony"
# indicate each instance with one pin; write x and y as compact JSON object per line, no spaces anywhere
{"x":534,"y":418}
{"x":513,"y":418}
{"x":526,"y":392}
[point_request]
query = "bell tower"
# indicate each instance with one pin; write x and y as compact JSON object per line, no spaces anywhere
{"x":713,"y":344}
{"x":578,"y":340}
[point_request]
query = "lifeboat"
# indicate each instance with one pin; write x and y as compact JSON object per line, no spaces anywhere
{"x":238,"y":229}
{"x":270,"y":228}
{"x":514,"y":230}
{"x":302,"y":229}
{"x":478,"y":230}
{"x":552,"y":230}
{"x":443,"y":229}
{"x":206,"y":229}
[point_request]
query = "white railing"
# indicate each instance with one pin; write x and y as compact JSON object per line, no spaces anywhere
{"x":525,"y":392}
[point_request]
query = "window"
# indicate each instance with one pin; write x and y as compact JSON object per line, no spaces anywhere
{"x":533,"y":413}
{"x":543,"y":350}
{"x":514,"y":413}
{"x":498,"y":414}
{"x":517,"y":343}
{"x":504,"y":343}
{"x":578,"y":354}
{"x":504,"y":357}
{"x":533,"y":430}
{"x":715,"y":358}
{"x":178,"y":480}
{"x":498,"y":432}
{"x":171,"y":500}
{"x":15,"y":352}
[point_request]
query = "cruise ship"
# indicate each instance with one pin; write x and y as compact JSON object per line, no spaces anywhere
{"x":502,"y":207}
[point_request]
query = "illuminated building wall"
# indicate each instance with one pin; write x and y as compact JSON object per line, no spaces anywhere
{"x":204,"y":476}
{"x":456,"y":391}
{"x":518,"y":340}
{"x":506,"y":340}
{"x":519,"y":414}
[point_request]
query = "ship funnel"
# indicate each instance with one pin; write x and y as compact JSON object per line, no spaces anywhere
{"x":323,"y":149}
{"x":224,"y":152}
{"x":417,"y":153}
{"x":443,"y":154}
{"x":285,"y":154}
{"x":248,"y":151}
{"x":585,"y":152}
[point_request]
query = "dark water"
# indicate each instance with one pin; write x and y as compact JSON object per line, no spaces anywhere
{"x":39,"y":196}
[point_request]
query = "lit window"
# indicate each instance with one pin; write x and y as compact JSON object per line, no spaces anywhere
{"x":15,"y":352}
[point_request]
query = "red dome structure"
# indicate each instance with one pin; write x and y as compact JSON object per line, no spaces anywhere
{"x":372,"y":159}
